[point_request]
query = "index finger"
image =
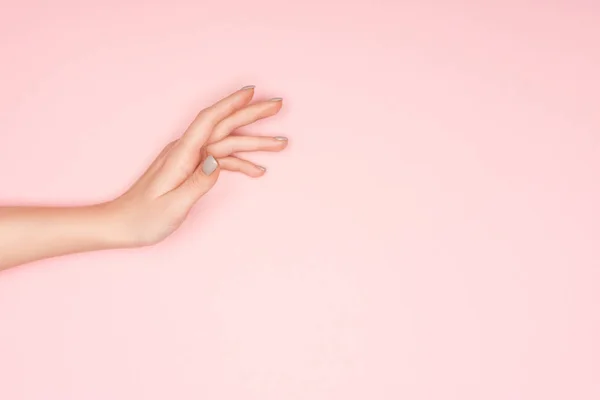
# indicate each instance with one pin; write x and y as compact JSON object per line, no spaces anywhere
{"x":201,"y":128}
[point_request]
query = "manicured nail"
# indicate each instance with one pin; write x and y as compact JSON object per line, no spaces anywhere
{"x":281,"y":138}
{"x":210,"y":165}
{"x":248,"y":87}
{"x":263,"y":169}
{"x":276,"y":99}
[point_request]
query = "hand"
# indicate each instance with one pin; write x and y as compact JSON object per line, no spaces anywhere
{"x":158,"y":202}
{"x":187,"y":168}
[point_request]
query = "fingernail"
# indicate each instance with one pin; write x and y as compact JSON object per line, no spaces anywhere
{"x":263,"y":169}
{"x":210,"y":165}
{"x":281,"y":138}
{"x":276,"y":99}
{"x":248,"y":87}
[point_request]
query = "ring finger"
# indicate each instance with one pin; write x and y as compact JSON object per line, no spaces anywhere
{"x":236,"y":164}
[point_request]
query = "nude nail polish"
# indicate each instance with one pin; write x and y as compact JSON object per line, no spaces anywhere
{"x":248,"y":87}
{"x":209,"y":165}
{"x":263,"y":169}
{"x":276,"y":99}
{"x":281,"y":138}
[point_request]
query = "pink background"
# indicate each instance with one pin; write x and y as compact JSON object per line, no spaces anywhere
{"x":432,"y":231}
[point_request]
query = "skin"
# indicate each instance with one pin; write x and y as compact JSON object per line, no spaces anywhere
{"x":157,"y":204}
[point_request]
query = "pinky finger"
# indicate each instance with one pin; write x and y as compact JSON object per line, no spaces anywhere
{"x":238,"y":165}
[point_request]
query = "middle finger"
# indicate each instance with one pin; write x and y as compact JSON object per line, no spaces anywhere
{"x":237,"y":144}
{"x":245,"y":116}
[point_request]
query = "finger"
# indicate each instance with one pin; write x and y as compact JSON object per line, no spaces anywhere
{"x":201,"y":128}
{"x":237,"y":144}
{"x":200,"y":182}
{"x":236,"y":164}
{"x":245,"y":116}
{"x":183,"y":159}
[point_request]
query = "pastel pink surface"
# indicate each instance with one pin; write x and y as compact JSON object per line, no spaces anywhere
{"x":432,"y":231}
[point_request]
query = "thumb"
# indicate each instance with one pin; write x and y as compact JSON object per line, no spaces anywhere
{"x":201,"y":181}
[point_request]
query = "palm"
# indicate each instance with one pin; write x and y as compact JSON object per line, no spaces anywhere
{"x":187,"y":168}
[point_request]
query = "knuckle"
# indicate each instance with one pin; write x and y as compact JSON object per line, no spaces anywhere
{"x":206,"y":116}
{"x":197,"y":180}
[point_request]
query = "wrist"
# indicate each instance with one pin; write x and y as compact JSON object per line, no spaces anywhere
{"x":113,"y":229}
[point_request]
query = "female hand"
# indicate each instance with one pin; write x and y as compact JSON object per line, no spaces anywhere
{"x":158,"y":202}
{"x":187,"y":168}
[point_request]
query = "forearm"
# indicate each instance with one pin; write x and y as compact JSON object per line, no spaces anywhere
{"x":32,"y":233}
{"x":156,"y":205}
